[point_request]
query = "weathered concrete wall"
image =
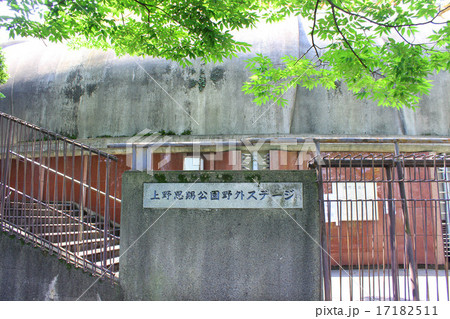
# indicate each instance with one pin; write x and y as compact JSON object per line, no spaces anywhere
{"x":221,"y":253}
{"x":28,"y":273}
{"x":90,"y":93}
{"x":338,"y":112}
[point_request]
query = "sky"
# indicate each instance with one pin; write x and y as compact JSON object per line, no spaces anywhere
{"x":3,"y":33}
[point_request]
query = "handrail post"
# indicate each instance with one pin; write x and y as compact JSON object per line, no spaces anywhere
{"x":5,"y":167}
{"x":106,"y":216}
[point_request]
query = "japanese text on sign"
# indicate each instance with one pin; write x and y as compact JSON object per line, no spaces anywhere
{"x":223,"y":195}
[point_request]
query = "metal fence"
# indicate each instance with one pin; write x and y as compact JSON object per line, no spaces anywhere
{"x":385,"y":226}
{"x":60,"y":195}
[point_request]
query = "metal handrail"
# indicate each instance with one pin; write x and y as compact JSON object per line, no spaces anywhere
{"x":74,"y":219}
{"x":65,"y":176}
{"x":58,"y":136}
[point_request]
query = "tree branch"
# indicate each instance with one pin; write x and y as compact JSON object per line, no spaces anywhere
{"x":387,"y":25}
{"x":313,"y":45}
{"x":404,"y":39}
{"x":147,"y":6}
{"x":346,"y":41}
{"x":313,"y":28}
{"x":304,"y":54}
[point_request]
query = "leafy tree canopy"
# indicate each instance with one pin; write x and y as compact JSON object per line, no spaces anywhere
{"x":384,"y":50}
{"x":174,"y":29}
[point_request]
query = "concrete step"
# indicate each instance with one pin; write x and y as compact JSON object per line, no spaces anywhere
{"x":88,"y":244}
{"x":45,"y":222}
{"x":113,"y":251}
{"x":111,"y":264}
{"x":41,"y":211}
{"x":64,"y":231}
{"x":70,"y":235}
{"x":29,"y":205}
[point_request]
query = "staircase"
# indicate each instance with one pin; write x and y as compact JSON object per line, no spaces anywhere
{"x":60,"y":195}
{"x":61,"y":226}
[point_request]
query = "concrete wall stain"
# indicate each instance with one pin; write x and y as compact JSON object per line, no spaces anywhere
{"x":217,"y":74}
{"x":201,"y":81}
{"x":91,"y":88}
{"x":73,"y":91}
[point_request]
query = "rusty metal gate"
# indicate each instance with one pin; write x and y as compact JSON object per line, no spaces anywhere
{"x":385,"y":225}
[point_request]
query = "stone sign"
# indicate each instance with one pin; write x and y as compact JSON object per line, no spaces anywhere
{"x":220,"y":235}
{"x":223,"y":195}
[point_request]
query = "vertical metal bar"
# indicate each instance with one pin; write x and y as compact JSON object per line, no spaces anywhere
{"x":27,"y":220}
{"x":366,"y":220}
{"x":427,"y":263}
{"x":445,"y":180}
{"x":323,"y":235}
{"x":64,"y":192}
{"x":369,"y":236}
{"x":359,"y":238}
{"x":416,"y":179}
{"x":339,"y":220}
{"x":56,"y":196}
{"x":385,"y":252}
{"x":337,"y":174}
{"x":32,"y":168}
{"x":393,"y":240}
{"x":348,"y":179}
{"x":149,"y":159}
{"x":434,"y":226}
{"x":113,"y":222}
{"x":133,"y":158}
{"x":374,"y":221}
{"x":144,"y":158}
{"x":106,"y":217}
{"x":46,"y":191}
{"x":80,"y":235}
{"x":73,"y":237}
{"x":38,"y":209}
{"x":93,"y":257}
{"x":7,"y":198}
{"x":97,"y":197}
{"x":409,"y":247}
{"x":425,"y":240}
{"x":5,"y":167}
{"x":326,"y":199}
{"x":41,"y":175}
{"x":255,"y":161}
{"x":18,"y":221}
